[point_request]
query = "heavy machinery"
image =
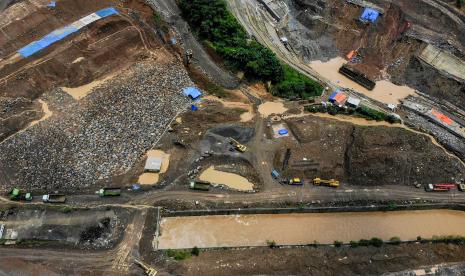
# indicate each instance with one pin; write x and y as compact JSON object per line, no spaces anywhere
{"x":149,"y":271}
{"x":199,"y":185}
{"x":16,"y":194}
{"x":296,"y":181}
{"x":54,"y":198}
{"x":189,"y":56}
{"x":238,"y":146}
{"x":322,"y":182}
{"x":461,"y":187}
{"x":109,"y":192}
{"x":445,"y":187}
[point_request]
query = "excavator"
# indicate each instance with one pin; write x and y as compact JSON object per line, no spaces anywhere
{"x":149,"y":271}
{"x":330,"y":183}
{"x":238,"y":146}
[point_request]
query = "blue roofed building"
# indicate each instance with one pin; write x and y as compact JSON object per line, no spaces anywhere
{"x":192,"y":92}
{"x":369,"y":15}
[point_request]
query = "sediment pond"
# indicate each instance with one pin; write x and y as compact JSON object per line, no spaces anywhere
{"x":301,"y":229}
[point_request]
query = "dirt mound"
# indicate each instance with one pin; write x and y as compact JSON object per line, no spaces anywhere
{"x":366,"y":155}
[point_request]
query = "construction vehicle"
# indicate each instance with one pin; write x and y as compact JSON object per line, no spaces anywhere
{"x":461,"y":187}
{"x":109,"y":192}
{"x":439,"y":187}
{"x":149,"y":271}
{"x":238,"y":146}
{"x":329,"y":183}
{"x":54,"y":198}
{"x":296,"y":181}
{"x":200,"y":185}
{"x":16,"y":194}
{"x":189,"y":56}
{"x":275,"y":174}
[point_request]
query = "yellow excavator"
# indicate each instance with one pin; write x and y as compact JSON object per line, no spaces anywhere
{"x":322,"y":182}
{"x":148,"y":270}
{"x":238,"y":146}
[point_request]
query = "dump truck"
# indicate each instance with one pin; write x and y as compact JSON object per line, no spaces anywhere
{"x":200,"y":185}
{"x":109,"y":192}
{"x":275,"y":174}
{"x":149,"y":271}
{"x":54,"y":198}
{"x":16,"y":194}
{"x":461,"y":187}
{"x":329,"y":183}
{"x":439,"y":187}
{"x":296,"y":181}
{"x":238,"y":146}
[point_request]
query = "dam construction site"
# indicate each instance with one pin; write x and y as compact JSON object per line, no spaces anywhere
{"x":232,"y":137}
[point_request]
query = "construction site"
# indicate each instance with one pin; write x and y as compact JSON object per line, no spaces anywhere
{"x":134,"y":143}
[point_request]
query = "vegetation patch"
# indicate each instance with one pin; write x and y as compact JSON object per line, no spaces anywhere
{"x":178,"y":255}
{"x":219,"y":29}
{"x":361,"y":112}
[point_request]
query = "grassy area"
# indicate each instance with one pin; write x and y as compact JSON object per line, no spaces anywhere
{"x":219,"y":29}
{"x":361,"y":112}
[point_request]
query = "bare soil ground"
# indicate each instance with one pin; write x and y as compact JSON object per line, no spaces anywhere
{"x":365,"y":155}
{"x":316,"y":261}
{"x":385,"y":51}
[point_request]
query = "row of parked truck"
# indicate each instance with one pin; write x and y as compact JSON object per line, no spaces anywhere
{"x":18,"y":194}
{"x":444,"y":187}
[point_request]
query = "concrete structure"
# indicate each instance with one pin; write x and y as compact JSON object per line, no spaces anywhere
{"x":445,"y":62}
{"x":153,"y":164}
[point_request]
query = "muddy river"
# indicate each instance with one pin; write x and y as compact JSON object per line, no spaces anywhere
{"x":301,"y":229}
{"x":385,"y":91}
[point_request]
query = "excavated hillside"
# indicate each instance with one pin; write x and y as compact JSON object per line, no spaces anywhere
{"x":387,"y":48}
{"x":86,"y":108}
{"x":361,"y":155}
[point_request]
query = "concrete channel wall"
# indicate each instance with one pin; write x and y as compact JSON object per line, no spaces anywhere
{"x":255,"y":211}
{"x":444,"y":62}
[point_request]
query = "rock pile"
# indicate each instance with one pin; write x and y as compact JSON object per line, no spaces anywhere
{"x":102,"y":135}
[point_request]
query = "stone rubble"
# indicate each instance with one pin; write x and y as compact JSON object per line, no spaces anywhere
{"x":102,"y":135}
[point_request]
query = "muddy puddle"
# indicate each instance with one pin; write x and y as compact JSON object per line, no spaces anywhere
{"x":231,"y":180}
{"x":301,"y":229}
{"x":268,"y":108}
{"x":81,"y":91}
{"x":150,"y":178}
{"x":385,"y":91}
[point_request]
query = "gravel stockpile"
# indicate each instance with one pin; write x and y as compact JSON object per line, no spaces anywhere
{"x":102,"y":135}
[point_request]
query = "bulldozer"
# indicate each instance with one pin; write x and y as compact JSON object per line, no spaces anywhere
{"x":322,"y":182}
{"x":149,"y":271}
{"x":238,"y":146}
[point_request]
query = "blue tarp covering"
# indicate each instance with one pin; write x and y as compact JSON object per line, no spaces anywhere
{"x":58,"y":35}
{"x":192,"y":92}
{"x":369,"y":15}
{"x":333,"y":96}
{"x":52,"y":4}
{"x":194,"y":108}
{"x":106,"y":12}
{"x":283,"y":131}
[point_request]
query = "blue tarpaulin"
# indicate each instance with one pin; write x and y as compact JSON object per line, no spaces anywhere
{"x":283,"y":131}
{"x":194,"y":107}
{"x":333,"y":95}
{"x":52,"y":4}
{"x":61,"y":33}
{"x":106,"y":12}
{"x":192,"y":92}
{"x":369,"y":15}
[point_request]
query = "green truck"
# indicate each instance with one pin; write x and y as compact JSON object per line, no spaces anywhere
{"x":109,"y":192}
{"x":16,"y":194}
{"x":200,"y":185}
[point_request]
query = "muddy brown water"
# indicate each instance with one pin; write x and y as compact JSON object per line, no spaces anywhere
{"x":301,"y":229}
{"x":385,"y":91}
{"x":231,"y":180}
